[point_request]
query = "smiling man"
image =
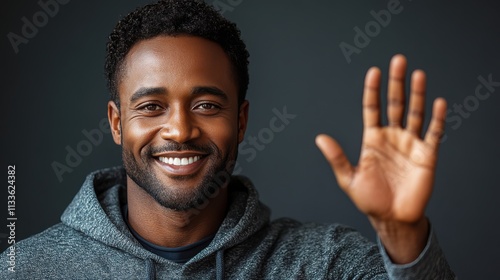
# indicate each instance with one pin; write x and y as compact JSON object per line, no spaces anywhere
{"x":178,"y":75}
{"x":179,"y":121}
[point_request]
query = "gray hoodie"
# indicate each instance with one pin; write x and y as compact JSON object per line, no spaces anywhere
{"x":94,"y":242}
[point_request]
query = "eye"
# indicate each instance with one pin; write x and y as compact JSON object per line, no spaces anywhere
{"x":207,"y":108}
{"x":150,"y":107}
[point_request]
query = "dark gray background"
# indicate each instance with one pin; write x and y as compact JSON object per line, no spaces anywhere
{"x":54,"y":88}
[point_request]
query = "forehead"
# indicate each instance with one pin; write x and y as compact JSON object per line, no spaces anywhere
{"x":176,"y":63}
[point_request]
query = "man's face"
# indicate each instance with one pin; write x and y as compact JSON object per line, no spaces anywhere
{"x":179,"y":123}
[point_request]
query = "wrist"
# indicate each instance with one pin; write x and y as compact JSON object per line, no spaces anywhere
{"x":403,"y":242}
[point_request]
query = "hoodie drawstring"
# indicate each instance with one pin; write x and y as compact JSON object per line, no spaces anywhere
{"x":150,"y":268}
{"x":219,"y":265}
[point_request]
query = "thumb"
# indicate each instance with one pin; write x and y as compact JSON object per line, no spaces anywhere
{"x":334,"y":154}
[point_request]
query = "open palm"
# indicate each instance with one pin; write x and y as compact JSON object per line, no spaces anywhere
{"x":395,"y":173}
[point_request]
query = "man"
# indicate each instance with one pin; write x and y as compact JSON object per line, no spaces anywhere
{"x":178,"y":76}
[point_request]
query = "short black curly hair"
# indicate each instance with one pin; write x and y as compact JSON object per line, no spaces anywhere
{"x":173,"y":18}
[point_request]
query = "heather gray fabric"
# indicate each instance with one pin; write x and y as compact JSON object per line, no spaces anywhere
{"x":93,"y":242}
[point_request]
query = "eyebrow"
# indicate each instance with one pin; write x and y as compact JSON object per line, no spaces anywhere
{"x":144,"y":91}
{"x":210,"y":90}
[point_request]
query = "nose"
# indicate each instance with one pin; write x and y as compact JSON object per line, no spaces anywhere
{"x":180,"y":126}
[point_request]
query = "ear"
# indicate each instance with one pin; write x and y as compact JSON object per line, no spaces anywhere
{"x":242,"y":120}
{"x":115,"y":122}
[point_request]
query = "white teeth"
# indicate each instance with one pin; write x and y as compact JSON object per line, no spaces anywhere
{"x":180,"y":161}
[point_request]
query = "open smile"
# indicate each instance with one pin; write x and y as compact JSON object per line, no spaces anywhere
{"x":179,"y":161}
{"x":181,"y":164}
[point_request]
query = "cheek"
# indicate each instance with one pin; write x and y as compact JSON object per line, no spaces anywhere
{"x":137,"y":134}
{"x":223,"y":132}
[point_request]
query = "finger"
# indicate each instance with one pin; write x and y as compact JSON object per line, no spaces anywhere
{"x":334,"y":154}
{"x":371,"y":103}
{"x":436,"y":127}
{"x":396,"y":90}
{"x":417,"y":103}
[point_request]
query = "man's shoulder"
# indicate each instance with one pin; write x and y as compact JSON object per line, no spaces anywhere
{"x":333,"y":234}
{"x":312,"y":248}
{"x":62,"y":252}
{"x":48,"y":252}
{"x":54,"y":242}
{"x":57,"y":235}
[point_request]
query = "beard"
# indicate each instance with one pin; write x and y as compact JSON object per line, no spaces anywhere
{"x":177,"y":198}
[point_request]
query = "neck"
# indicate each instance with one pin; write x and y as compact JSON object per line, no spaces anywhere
{"x":170,"y":228}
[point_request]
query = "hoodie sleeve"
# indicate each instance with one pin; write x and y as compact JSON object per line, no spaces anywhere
{"x":431,"y":264}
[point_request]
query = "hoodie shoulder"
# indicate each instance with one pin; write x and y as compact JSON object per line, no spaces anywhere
{"x":48,"y":253}
{"x":91,"y":239}
{"x":62,"y":252}
{"x":317,"y":251}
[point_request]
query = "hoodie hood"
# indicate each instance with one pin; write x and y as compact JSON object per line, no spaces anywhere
{"x":96,"y":212}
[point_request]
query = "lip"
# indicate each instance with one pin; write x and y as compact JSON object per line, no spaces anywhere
{"x":181,"y":170}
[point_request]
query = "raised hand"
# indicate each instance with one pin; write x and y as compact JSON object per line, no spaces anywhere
{"x":395,"y":174}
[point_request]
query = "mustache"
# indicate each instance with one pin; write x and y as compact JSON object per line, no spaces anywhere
{"x":177,"y":147}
